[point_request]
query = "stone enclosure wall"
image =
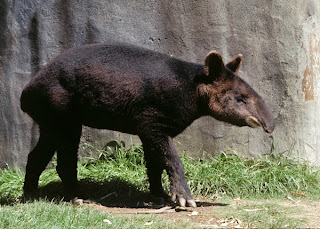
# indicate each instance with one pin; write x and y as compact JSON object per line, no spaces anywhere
{"x":280,"y":42}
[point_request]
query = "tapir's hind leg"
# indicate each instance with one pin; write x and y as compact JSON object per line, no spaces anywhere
{"x":67,"y":158}
{"x":38,"y":159}
{"x":155,"y":168}
{"x":63,"y":138}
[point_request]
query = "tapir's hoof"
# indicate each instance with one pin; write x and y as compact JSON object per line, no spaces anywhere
{"x":30,"y":195}
{"x":78,"y":201}
{"x":29,"y":198}
{"x":181,"y":201}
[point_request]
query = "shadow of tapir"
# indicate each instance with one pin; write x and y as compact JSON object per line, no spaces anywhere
{"x":137,"y":91}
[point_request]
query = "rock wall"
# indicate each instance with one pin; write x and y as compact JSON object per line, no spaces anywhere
{"x":280,"y":42}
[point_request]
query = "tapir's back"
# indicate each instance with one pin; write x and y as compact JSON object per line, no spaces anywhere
{"x":103,"y":81}
{"x":122,"y":58}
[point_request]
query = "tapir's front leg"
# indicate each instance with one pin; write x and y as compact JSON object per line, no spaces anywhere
{"x":160,"y":154}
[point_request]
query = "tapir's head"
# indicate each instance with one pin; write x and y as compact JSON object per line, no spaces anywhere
{"x":231,"y":99}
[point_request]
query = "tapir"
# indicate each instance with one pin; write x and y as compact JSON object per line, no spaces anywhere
{"x":138,"y":91}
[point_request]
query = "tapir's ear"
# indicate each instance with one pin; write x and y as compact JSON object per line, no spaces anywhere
{"x":234,"y":65}
{"x":213,"y":64}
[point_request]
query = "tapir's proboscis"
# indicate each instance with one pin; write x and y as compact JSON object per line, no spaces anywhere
{"x":133,"y":90}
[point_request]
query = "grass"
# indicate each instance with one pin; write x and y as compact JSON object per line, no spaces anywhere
{"x":44,"y":214}
{"x":271,"y":176}
{"x":226,"y":174}
{"x":267,"y":177}
{"x":122,"y":171}
{"x":123,"y":164}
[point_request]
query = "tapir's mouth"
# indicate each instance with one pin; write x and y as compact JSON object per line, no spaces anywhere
{"x":254,"y":123}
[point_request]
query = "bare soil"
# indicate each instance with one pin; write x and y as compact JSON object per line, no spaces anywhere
{"x":131,"y":203}
{"x":310,"y":210}
{"x":204,"y":216}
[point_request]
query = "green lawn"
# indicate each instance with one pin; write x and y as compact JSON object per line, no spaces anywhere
{"x":123,"y":172}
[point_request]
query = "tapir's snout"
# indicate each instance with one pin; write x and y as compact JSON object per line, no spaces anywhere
{"x":266,"y":119}
{"x":269,"y":127}
{"x":269,"y":131}
{"x":262,"y":118}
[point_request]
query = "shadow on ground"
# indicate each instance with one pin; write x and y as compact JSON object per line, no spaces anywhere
{"x":115,"y":193}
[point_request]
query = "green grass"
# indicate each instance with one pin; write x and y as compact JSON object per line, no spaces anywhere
{"x":44,"y":214}
{"x":123,"y":164}
{"x":236,"y":176}
{"x":226,"y":174}
{"x":122,"y":171}
{"x":11,"y":182}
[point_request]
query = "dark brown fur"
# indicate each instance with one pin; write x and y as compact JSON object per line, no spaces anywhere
{"x":137,"y":91}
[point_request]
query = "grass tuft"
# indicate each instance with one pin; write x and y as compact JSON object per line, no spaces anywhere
{"x":11,"y":181}
{"x":236,"y":176}
{"x":125,"y":165}
{"x":41,"y":214}
{"x":225,"y":174}
{"x":120,"y":171}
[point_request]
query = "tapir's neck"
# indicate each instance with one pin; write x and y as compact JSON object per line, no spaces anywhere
{"x":202,"y":99}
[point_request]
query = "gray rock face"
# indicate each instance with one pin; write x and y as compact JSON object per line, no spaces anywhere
{"x":280,"y":42}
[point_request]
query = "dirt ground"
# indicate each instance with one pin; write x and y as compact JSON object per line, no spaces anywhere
{"x":309,"y":211}
{"x":204,"y":216}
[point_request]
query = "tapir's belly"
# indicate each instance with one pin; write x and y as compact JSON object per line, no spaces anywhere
{"x":106,"y":120}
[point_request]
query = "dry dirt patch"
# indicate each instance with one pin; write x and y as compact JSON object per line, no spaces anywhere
{"x":310,"y":210}
{"x":204,"y":215}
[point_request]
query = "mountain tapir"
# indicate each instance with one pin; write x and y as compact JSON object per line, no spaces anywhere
{"x":137,"y":91}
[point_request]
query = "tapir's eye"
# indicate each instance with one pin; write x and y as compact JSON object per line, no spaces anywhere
{"x":240,"y":99}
